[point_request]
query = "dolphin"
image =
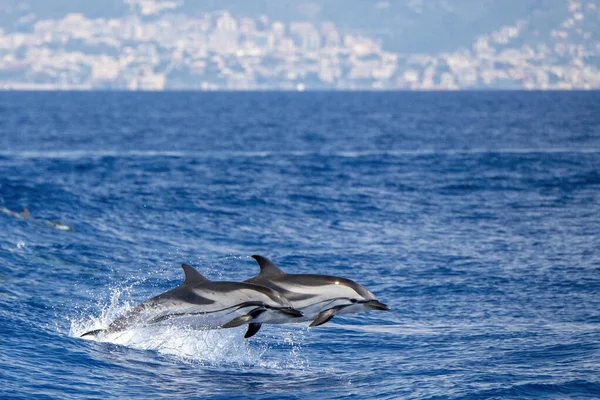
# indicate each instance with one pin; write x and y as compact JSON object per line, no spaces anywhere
{"x":201,"y":303}
{"x":26,"y":215}
{"x":319,"y":297}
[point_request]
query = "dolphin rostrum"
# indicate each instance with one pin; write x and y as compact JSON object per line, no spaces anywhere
{"x":201,"y":303}
{"x":319,"y":297}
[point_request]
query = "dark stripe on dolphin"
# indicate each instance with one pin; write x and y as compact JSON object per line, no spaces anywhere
{"x":94,"y":332}
{"x":184,"y":294}
{"x":259,"y":306}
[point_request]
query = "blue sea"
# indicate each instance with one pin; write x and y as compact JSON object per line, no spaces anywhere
{"x":474,"y":215}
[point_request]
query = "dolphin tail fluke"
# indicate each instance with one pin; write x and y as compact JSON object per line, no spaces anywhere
{"x":93,"y":333}
{"x":253,"y":327}
{"x":323,"y":317}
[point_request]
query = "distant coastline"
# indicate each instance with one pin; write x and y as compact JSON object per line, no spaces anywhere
{"x":154,"y":46}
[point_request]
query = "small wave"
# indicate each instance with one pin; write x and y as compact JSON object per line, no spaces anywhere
{"x":569,"y":389}
{"x":86,"y":154}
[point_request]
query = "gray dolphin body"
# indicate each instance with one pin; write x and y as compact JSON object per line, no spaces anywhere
{"x":201,"y":303}
{"x":319,"y":297}
{"x":26,"y":215}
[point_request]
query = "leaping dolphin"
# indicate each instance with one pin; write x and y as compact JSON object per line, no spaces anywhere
{"x":319,"y":297}
{"x":201,"y":303}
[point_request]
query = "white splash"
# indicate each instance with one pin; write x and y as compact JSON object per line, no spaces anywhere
{"x":216,"y":346}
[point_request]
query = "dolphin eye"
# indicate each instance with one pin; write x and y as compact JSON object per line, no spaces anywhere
{"x":353,"y":300}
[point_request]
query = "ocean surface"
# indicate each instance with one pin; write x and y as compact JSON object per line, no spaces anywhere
{"x":475,"y":216}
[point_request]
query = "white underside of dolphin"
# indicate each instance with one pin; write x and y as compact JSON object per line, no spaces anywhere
{"x":203,"y":304}
{"x":318,"y":297}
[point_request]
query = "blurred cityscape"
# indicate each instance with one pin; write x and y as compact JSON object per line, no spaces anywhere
{"x":154,"y":46}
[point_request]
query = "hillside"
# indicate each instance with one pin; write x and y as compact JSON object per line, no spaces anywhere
{"x":298,"y":45}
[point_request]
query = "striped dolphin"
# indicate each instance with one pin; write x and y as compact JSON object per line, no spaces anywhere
{"x":319,"y":297}
{"x":201,"y":303}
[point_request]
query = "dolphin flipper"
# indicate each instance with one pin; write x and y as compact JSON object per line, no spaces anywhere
{"x":253,"y":327}
{"x":242,"y":319}
{"x":237,"y":321}
{"x":323,"y":317}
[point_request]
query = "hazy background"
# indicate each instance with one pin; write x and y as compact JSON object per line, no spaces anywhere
{"x":299,"y":45}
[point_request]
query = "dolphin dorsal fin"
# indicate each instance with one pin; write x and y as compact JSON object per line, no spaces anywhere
{"x":267,"y":268}
{"x":192,"y":276}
